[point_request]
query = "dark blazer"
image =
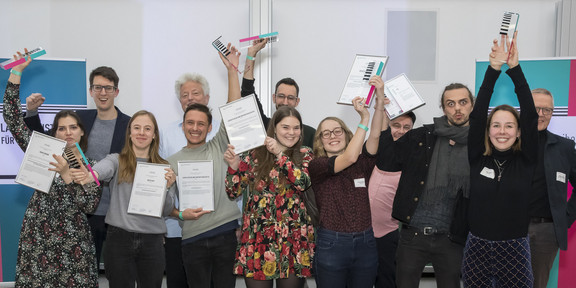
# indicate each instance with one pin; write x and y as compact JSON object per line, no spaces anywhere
{"x":88,"y":118}
{"x":560,"y":157}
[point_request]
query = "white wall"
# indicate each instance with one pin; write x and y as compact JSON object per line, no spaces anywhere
{"x":320,"y":38}
{"x":150,"y":43}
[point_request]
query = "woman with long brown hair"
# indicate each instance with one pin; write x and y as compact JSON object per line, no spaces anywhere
{"x":134,"y":245}
{"x":277,"y":238}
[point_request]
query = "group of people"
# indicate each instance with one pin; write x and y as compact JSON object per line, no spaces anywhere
{"x":390,"y":199}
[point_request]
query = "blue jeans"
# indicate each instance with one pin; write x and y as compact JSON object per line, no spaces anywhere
{"x":345,"y":259}
{"x":131,"y":258}
{"x":211,"y":260}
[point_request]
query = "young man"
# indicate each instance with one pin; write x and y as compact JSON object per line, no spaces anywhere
{"x":550,"y":214}
{"x":435,"y":173}
{"x":191,"y":88}
{"x":286,"y":93}
{"x":209,"y":239}
{"x":98,"y":123}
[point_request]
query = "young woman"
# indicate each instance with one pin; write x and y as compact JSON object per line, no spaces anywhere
{"x":56,"y":248}
{"x":346,"y":254}
{"x":134,"y":245}
{"x":277,"y":238}
{"x":502,"y":149}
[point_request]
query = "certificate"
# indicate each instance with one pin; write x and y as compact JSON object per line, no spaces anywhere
{"x":196,"y":184}
{"x":243,"y":124}
{"x":363,"y":68}
{"x":34,"y":171}
{"x":402,"y":95}
{"x":148,"y":190}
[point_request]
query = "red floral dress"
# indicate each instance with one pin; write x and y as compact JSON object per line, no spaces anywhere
{"x":277,"y":235}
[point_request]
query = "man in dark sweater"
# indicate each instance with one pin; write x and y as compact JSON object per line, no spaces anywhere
{"x":286,"y":93}
{"x":106,"y":127}
{"x":435,"y":174}
{"x":550,"y":214}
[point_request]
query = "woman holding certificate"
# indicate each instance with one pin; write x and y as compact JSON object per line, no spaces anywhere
{"x":56,"y":248}
{"x":134,"y":244}
{"x":502,"y":150}
{"x":346,"y":254}
{"x":277,"y":238}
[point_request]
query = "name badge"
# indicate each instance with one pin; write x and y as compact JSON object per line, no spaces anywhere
{"x":561,"y":177}
{"x":360,"y":183}
{"x":487,"y":172}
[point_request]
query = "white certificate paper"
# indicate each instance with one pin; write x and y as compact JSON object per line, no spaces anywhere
{"x":34,"y":171}
{"x":148,"y":190}
{"x":402,"y":95}
{"x":196,"y":184}
{"x":363,"y":68}
{"x":243,"y":124}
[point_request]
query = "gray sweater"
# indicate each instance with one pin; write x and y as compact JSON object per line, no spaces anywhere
{"x":225,"y":210}
{"x":117,"y":214}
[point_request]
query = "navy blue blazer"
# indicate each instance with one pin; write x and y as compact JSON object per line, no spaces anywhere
{"x":88,"y":118}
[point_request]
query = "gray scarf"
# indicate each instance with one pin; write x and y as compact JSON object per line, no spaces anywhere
{"x":449,"y":172}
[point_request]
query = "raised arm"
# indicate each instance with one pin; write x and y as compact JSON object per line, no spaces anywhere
{"x":354,"y":147}
{"x":12,"y":111}
{"x":231,"y":62}
{"x":378,"y":118}
{"x":253,"y":50}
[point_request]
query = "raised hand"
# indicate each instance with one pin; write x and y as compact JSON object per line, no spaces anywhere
{"x":233,"y":59}
{"x":498,"y":55}
{"x":34,"y":101}
{"x":62,"y":167}
{"x":257,"y":45}
{"x":231,"y":158}
{"x":19,"y":56}
{"x":360,"y":107}
{"x":513,"y":56}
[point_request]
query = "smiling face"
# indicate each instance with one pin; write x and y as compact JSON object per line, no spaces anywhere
{"x":503,"y":130}
{"x":192,"y":92}
{"x":196,"y":127}
{"x":333,"y":144}
{"x":400,"y":125}
{"x":69,"y":131}
{"x":104,"y":100}
{"x":288,"y":131}
{"x":286,"y":95}
{"x":142,"y":132}
{"x":457,"y":106}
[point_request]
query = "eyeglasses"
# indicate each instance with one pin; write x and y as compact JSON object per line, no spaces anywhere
{"x":290,"y":98}
{"x":108,"y":89}
{"x":337,"y":132}
{"x":545,"y":111}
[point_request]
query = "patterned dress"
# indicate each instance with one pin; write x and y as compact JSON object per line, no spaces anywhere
{"x":56,"y":248}
{"x":277,"y":236}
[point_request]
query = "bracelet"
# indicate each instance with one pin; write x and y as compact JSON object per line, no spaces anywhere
{"x":17,"y":73}
{"x":363,"y":127}
{"x":180,"y":216}
{"x":250,"y":57}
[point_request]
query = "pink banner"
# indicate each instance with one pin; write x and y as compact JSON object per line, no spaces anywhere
{"x":567,"y":266}
{"x":572,"y":90}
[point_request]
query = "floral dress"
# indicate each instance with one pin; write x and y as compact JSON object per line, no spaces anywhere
{"x":277,"y":235}
{"x":56,"y":247}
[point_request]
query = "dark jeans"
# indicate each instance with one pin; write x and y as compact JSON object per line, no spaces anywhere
{"x":503,"y":263}
{"x":175,"y":273}
{"x":132,"y":258}
{"x":345,"y":259}
{"x":387,"y":246}
{"x":211,"y":260}
{"x":415,"y":250}
{"x":99,"y":229}
{"x":543,"y":251}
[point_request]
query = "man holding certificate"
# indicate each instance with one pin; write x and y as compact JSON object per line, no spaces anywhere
{"x":208,"y":239}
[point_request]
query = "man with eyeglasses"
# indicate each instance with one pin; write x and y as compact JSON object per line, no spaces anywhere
{"x":286,"y":92}
{"x":97,"y":123}
{"x":550,"y":213}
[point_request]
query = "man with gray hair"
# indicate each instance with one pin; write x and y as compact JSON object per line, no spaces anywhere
{"x":190,"y":88}
{"x":550,"y":214}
